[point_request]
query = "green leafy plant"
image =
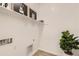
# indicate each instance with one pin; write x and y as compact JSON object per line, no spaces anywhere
{"x":68,"y":42}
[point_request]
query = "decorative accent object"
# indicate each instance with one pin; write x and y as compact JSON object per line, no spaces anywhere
{"x":68,"y":42}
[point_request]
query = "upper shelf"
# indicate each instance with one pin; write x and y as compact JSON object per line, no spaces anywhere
{"x":12,"y":13}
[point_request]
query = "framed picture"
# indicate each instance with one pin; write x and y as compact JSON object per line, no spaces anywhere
{"x":17,"y":7}
{"x":25,"y":9}
{"x":32,"y":14}
{"x":20,"y":8}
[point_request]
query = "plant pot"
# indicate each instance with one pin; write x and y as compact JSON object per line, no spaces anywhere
{"x":69,"y":52}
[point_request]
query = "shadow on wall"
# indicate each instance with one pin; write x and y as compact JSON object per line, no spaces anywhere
{"x":29,"y":50}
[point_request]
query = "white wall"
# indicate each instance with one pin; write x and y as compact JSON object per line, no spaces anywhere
{"x":58,"y":18}
{"x":36,"y":8}
{"x":21,"y":28}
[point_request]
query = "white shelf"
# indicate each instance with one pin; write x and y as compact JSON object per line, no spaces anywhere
{"x":12,"y":13}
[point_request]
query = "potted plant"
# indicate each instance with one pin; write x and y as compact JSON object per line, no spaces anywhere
{"x":68,"y":42}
